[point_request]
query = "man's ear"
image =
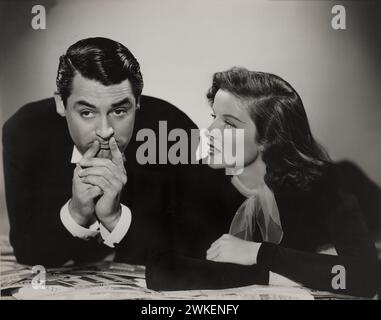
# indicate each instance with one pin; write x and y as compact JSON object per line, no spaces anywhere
{"x":138,"y":103}
{"x":60,"y":108}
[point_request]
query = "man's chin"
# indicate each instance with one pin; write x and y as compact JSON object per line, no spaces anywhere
{"x":104,"y":153}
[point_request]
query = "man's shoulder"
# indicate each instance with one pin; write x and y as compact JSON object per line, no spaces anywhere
{"x":33,"y":125}
{"x":35,"y":115}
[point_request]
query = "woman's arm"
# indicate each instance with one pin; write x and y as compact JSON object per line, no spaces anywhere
{"x":356,"y":254}
{"x":171,"y":271}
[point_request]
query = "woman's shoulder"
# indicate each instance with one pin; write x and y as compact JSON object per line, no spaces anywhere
{"x":333,"y":176}
{"x":339,"y":181}
{"x":336,"y":184}
{"x":344,"y":183}
{"x":346,"y":175}
{"x":347,"y":180}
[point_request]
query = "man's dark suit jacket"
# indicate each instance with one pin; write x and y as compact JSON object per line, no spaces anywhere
{"x":37,"y":150}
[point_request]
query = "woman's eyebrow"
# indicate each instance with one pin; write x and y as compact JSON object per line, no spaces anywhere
{"x":233,"y":117}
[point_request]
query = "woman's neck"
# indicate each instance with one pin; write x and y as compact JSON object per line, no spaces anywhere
{"x":253,"y":174}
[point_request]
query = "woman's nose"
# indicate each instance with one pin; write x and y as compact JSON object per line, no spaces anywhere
{"x":215,"y":125}
{"x":104,"y":130}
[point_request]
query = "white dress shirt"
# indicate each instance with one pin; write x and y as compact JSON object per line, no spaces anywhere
{"x":109,"y":238}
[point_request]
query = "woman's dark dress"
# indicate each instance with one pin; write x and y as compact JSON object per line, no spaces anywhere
{"x":342,"y":209}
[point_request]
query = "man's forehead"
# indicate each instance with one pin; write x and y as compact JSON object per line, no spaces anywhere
{"x":93,"y":91}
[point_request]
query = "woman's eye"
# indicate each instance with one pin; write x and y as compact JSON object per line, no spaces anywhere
{"x":213,"y":115}
{"x":87,"y":114}
{"x":229,"y":125}
{"x":119,"y":112}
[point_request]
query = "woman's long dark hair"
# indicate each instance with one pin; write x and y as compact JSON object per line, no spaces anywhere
{"x":294,"y":160}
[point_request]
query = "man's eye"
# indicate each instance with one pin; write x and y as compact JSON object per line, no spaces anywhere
{"x":87,"y":114}
{"x":119,"y":112}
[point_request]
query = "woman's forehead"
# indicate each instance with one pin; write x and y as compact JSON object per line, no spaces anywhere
{"x":226,"y":103}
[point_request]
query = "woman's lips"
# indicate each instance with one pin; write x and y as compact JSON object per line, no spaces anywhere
{"x":213,"y":149}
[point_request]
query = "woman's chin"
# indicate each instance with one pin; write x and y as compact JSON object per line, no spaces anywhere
{"x":214,"y":160}
{"x":214,"y":165}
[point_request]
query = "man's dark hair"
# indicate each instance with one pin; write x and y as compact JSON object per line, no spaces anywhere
{"x":100,"y":59}
{"x":292,"y":156}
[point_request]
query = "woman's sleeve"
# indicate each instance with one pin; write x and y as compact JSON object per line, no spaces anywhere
{"x":171,"y":271}
{"x":356,"y":255}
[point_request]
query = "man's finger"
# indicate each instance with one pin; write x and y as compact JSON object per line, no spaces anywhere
{"x":95,"y":191}
{"x":76,"y":172}
{"x":117,"y":171}
{"x":101,"y":172}
{"x":92,"y":151}
{"x":100,"y":182}
{"x":117,"y":157}
{"x":97,"y":162}
{"x":77,"y":169}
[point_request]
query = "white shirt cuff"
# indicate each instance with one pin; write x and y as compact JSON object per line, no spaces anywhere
{"x":120,"y":230}
{"x":74,"y":228}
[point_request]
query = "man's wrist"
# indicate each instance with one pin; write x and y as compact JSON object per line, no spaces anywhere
{"x":78,"y":218}
{"x":119,"y":231}
{"x":76,"y":230}
{"x":112,"y":220}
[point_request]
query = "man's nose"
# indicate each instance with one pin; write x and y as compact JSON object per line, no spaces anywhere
{"x":104,"y":130}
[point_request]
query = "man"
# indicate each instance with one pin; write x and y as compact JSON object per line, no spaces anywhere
{"x":74,"y":188}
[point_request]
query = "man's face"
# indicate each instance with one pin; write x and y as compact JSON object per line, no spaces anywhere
{"x":97,"y":112}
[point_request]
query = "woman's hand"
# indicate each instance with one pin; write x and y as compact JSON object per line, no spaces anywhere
{"x":234,"y":250}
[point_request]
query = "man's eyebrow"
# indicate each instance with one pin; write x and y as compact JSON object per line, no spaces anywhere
{"x":126,"y":100}
{"x":85,"y":103}
{"x":233,"y":117}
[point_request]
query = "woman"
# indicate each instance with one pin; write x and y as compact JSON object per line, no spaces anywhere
{"x":295,"y":201}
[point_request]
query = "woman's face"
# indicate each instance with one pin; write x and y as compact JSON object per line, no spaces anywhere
{"x":230,"y":113}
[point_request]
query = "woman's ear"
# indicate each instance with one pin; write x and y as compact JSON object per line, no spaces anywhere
{"x":60,"y":108}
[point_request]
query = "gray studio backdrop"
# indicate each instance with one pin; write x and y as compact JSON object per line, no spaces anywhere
{"x":180,"y":43}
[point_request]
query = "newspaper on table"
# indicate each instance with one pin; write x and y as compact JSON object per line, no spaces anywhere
{"x":126,"y":291}
{"x":115,"y":281}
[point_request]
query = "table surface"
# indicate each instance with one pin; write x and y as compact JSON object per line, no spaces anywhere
{"x":110,"y":280}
